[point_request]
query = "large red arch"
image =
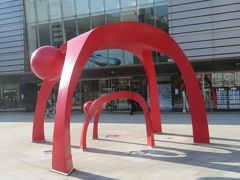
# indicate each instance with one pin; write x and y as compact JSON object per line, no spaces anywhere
{"x":97,"y":105}
{"x":140,"y":39}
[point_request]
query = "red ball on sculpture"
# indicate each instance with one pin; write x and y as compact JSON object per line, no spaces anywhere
{"x":47,"y":62}
{"x":87,"y":106}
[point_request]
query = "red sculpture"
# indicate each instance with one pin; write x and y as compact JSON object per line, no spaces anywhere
{"x":46,"y":63}
{"x":137,"y":38}
{"x":92,"y":108}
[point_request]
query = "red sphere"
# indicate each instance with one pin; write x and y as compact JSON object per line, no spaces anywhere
{"x":87,"y":106}
{"x":47,"y":62}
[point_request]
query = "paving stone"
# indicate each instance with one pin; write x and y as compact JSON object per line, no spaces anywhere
{"x":121,"y":151}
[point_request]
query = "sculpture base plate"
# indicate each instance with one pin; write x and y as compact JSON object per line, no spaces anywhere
{"x":59,"y":172}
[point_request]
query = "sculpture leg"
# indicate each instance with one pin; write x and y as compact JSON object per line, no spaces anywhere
{"x":196,"y":103}
{"x":153,"y":91}
{"x":95,"y":125}
{"x":83,"y":138}
{"x":61,"y":154}
{"x":150,"y":135}
{"x":38,"y":121}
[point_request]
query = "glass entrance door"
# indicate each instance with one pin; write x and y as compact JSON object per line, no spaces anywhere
{"x":121,"y":84}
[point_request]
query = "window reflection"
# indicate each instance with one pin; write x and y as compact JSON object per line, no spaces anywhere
{"x":57,"y":34}
{"x":117,"y":55}
{"x":146,"y":15}
{"x":98,"y":20}
{"x":161,"y":1}
{"x":68,"y":8}
{"x":128,"y":57}
{"x":31,"y":17}
{"x":42,"y":10}
{"x":136,"y":60}
{"x":99,"y":58}
{"x":97,"y":6}
{"x":54,"y":9}
{"x":70,"y":29}
{"x":129,"y":15}
{"x":112,"y":5}
{"x":159,"y":57}
{"x":161,"y":15}
{"x":44,"y":34}
{"x":144,"y":2}
{"x":113,"y":17}
{"x":51,"y":14}
{"x":32,"y":38}
{"x":82,"y":7}
{"x":83,"y":24}
{"x":128,"y":3}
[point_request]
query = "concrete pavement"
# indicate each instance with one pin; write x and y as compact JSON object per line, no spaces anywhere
{"x":121,"y":151}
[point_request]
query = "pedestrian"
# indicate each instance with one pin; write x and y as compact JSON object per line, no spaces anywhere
{"x":133,"y":107}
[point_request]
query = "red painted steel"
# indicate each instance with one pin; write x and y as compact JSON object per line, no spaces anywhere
{"x":46,"y":63}
{"x":137,"y":38}
{"x":87,"y":106}
{"x":38,"y":120}
{"x":97,"y":106}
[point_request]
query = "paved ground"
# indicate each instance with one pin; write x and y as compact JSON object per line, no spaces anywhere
{"x":121,"y":152}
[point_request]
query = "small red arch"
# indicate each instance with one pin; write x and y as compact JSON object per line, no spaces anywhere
{"x":97,"y":105}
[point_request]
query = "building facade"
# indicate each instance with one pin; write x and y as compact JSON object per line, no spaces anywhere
{"x":207,"y":30}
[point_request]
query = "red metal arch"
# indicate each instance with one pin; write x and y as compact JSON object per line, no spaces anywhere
{"x":47,"y":86}
{"x":44,"y":93}
{"x":140,"y":39}
{"x":97,"y":105}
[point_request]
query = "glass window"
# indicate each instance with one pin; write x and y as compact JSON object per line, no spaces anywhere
{"x":82,"y":7}
{"x":57,"y":34}
{"x":146,"y":15}
{"x":97,"y":6}
{"x":112,"y":4}
{"x":144,"y":2}
{"x":70,"y":29}
{"x":129,"y":15}
{"x":115,"y":57}
{"x":42,"y":10}
{"x":161,"y":10}
{"x":161,"y":15}
{"x":32,"y":38}
{"x":98,"y":20}
{"x":113,"y":17}
{"x":128,"y":57}
{"x":44,"y":34}
{"x":89,"y":64}
{"x":83,"y":24}
{"x":128,"y":3}
{"x":136,"y":60}
{"x":54,"y":9}
{"x":30,"y":11}
{"x":99,"y":58}
{"x":161,"y":1}
{"x":159,"y":57}
{"x":68,"y":8}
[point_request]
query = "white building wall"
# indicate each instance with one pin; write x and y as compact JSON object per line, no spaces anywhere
{"x":206,"y":29}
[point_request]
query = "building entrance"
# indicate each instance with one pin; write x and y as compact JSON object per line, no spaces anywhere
{"x":90,"y":90}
